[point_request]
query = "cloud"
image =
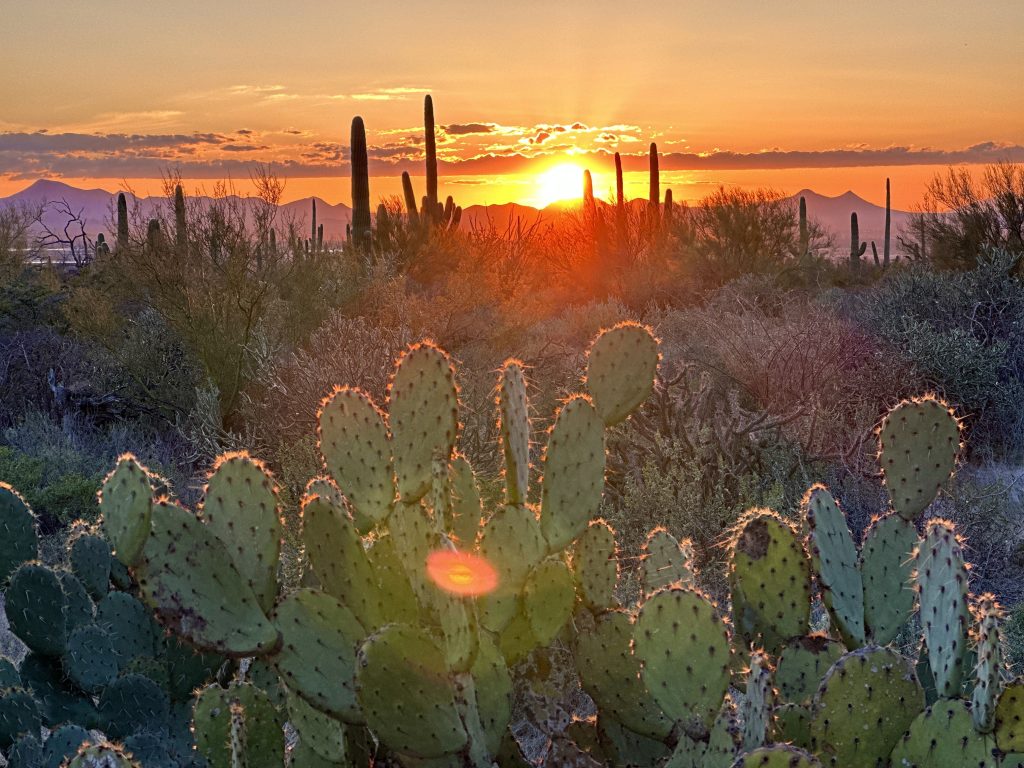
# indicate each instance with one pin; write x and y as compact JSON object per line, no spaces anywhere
{"x":468,"y":129}
{"x":389,"y":94}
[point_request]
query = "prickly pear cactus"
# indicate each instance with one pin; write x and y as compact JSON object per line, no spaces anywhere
{"x":866,"y":702}
{"x":945,"y":614}
{"x":665,"y":562}
{"x":770,"y":576}
{"x":779,"y":756}
{"x":596,"y":565}
{"x":125,"y":501}
{"x":989,"y":667}
{"x":835,"y":563}
{"x":919,"y":441}
{"x":621,"y":365}
{"x":514,"y":426}
{"x":802,"y":664}
{"x":886,"y":566}
{"x":102,"y":756}
{"x":18,"y":543}
{"x":943,"y":736}
{"x":214,"y":723}
{"x":758,"y":702}
{"x":1009,"y":730}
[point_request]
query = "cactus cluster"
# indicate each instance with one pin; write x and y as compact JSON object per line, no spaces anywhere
{"x":96,"y":659}
{"x":402,"y":643}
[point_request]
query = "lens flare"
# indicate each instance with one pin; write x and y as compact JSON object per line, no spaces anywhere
{"x":461,"y":573}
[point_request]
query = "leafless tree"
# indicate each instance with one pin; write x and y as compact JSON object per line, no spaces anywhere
{"x":69,"y":236}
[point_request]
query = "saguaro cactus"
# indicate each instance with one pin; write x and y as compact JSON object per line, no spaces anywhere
{"x":180,"y":226}
{"x":589,"y":204}
{"x":314,"y":233}
{"x":410,"y":199}
{"x":360,"y":185}
{"x":857,"y":248}
{"x":888,"y":224}
{"x":655,"y":180}
{"x":122,"y":221}
{"x":431,"y":150}
{"x":805,"y":235}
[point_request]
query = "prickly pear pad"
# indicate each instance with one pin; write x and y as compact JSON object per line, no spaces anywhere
{"x":493,"y":691}
{"x":264,"y":747}
{"x":37,"y":609}
{"x":770,"y":568}
{"x":511,"y":540}
{"x":321,"y":733}
{"x":18,"y":543}
{"x":943,"y":736}
{"x":125,"y":500}
{"x":240,"y":507}
{"x":357,"y":451}
{"x":835,"y":562}
{"x":187,"y":577}
{"x":666,"y":562}
{"x":886,"y":567}
{"x":548,"y":599}
{"x":596,"y":566}
{"x":621,"y":366}
{"x":683,"y":648}
{"x":18,"y":714}
{"x":942,"y":595}
{"x":406,"y":692}
{"x":573,"y":473}
{"x":988,"y":670}
{"x":90,"y":562}
{"x":316,"y":627}
{"x":132,"y":629}
{"x":514,"y":424}
{"x":802,"y":664}
{"x":918,"y":441}
{"x":778,"y":756}
{"x":423,"y":406}
{"x":1010,"y":718}
{"x":610,"y":673}
{"x":467,"y":508}
{"x":866,"y":702}
{"x":91,"y":660}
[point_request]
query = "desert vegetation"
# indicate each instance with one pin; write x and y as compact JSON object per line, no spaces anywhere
{"x":620,"y":438}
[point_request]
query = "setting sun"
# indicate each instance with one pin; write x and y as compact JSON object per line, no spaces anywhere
{"x":461,"y":573}
{"x":558,"y":183}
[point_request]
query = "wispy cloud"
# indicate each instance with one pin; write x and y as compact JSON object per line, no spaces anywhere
{"x":389,"y":94}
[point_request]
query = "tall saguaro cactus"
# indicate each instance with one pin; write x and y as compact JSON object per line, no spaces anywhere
{"x":122,"y":221}
{"x":180,"y":226}
{"x":431,"y":150}
{"x":314,"y":235}
{"x":888,"y":224}
{"x":589,"y":204}
{"x":655,"y":191}
{"x":805,"y":237}
{"x":410,"y":199}
{"x":857,"y":248}
{"x":360,"y":184}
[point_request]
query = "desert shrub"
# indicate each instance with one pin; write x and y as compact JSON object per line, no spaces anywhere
{"x":57,"y":495}
{"x":964,"y":334}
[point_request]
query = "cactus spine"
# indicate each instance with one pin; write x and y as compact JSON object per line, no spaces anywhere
{"x":360,"y":185}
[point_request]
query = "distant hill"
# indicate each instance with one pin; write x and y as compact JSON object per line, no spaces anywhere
{"x":97,"y":206}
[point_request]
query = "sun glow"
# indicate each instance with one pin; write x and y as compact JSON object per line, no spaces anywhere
{"x":461,"y":573}
{"x":559,"y":182}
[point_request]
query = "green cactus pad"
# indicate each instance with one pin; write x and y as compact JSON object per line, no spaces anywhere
{"x":131,"y":628}
{"x":674,"y":629}
{"x":780,"y":756}
{"x":315,"y":626}
{"x":398,"y":599}
{"x":9,"y":676}
{"x":126,"y":503}
{"x":63,"y":743}
{"x":493,"y":691}
{"x":467,"y":509}
{"x":944,"y":610}
{"x":918,"y":441}
{"x":621,"y":366}
{"x":264,"y":742}
{"x":90,"y":562}
{"x":548,"y":599}
{"x":516,"y":640}
{"x":666,"y":562}
{"x":802,"y":664}
{"x":320,"y":732}
{"x":18,"y":541}
{"x":26,"y":752}
{"x":514,"y":425}
{"x":102,"y":756}
{"x":78,"y":607}
{"x":771,"y":570}
{"x":240,"y":507}
{"x":187,"y":669}
{"x":793,"y":725}
{"x":1009,"y":730}
{"x":357,"y":451}
{"x":573,"y":473}
{"x":415,"y":536}
{"x":596,"y":565}
{"x":58,"y":703}
{"x":886,"y":566}
{"x":19,"y":714}
{"x":423,"y":407}
{"x":626,"y":748}
{"x":131,"y":703}
{"x":610,"y":673}
{"x":758,"y":703}
{"x":339,"y":559}
{"x":943,"y":736}
{"x":187,"y":577}
{"x":835,"y":562}
{"x":37,"y":609}
{"x":866,"y":702}
{"x":407,"y":695}
{"x":724,"y":739}
{"x":512,"y":542}
{"x":458,"y":631}
{"x":989,"y":667}
{"x":91,"y":660}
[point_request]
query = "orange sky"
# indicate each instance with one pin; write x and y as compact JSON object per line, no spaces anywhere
{"x":826,"y":96}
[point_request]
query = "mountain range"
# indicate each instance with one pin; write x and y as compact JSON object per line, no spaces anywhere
{"x":97,"y":206}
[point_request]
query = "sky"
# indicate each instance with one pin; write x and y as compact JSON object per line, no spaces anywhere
{"x":829,"y":95}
